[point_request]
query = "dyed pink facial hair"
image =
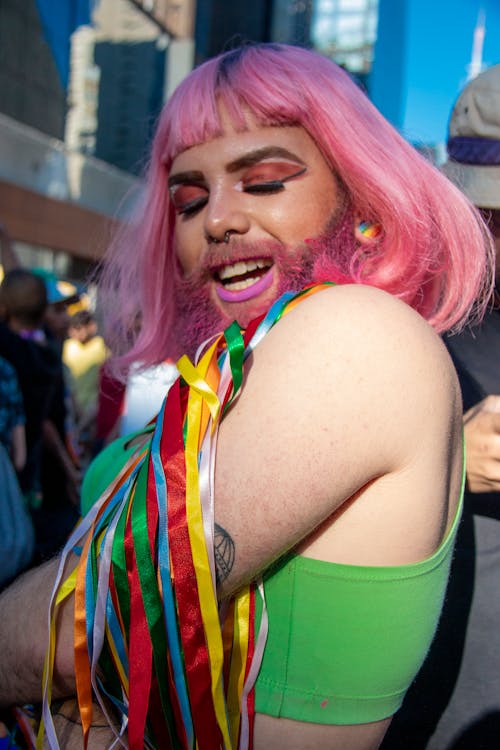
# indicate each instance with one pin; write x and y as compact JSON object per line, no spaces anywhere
{"x":324,"y":258}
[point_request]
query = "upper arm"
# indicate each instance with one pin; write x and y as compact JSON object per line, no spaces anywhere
{"x":345,"y":390}
{"x":23,"y":648}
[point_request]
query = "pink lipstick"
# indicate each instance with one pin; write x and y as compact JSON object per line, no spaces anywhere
{"x":249,"y":292}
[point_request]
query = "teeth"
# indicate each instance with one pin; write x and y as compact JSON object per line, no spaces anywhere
{"x":237,"y":269}
{"x":237,"y":285}
{"x":242,"y":267}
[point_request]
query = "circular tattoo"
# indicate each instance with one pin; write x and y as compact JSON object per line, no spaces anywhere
{"x":224,"y":553}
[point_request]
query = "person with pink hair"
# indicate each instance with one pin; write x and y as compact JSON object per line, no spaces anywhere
{"x":265,"y":564}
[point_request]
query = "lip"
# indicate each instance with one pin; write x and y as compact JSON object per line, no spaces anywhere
{"x":250,"y":292}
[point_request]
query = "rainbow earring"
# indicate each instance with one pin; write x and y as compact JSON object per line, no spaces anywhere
{"x":369,"y":229}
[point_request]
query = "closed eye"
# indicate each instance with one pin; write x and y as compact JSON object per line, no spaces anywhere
{"x":188,"y":199}
{"x":269,"y":177}
{"x":274,"y":186}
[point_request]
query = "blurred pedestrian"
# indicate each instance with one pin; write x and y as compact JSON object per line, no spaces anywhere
{"x":50,"y":480}
{"x":12,"y":418}
{"x":60,"y":467}
{"x":60,"y":296}
{"x":16,"y":529}
{"x":23,"y":343}
{"x":455,"y":702}
{"x":84,"y":352}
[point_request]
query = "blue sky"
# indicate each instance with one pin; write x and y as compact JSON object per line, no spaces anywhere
{"x":422,"y":58}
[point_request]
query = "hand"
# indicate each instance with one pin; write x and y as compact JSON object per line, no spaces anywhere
{"x":482,"y":442}
{"x":68,"y":726}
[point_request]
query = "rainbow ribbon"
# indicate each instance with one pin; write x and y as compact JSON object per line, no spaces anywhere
{"x":148,"y":637}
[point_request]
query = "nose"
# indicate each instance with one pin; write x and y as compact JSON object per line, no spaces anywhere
{"x":225,"y":216}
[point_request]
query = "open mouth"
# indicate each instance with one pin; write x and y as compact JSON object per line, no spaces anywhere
{"x":244,"y":279}
{"x":243,"y":274}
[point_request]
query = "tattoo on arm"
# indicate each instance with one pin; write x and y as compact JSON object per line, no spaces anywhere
{"x":224,"y":553}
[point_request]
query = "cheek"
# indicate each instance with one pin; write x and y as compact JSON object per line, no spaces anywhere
{"x":312,"y":213}
{"x":186,"y":248}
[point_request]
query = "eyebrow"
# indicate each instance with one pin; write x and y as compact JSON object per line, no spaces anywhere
{"x":181,"y":177}
{"x":247,"y":160}
{"x":253,"y":157}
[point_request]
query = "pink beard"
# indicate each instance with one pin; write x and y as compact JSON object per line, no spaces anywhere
{"x":323,"y":258}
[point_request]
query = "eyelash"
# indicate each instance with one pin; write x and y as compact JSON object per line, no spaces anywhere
{"x":192,"y":208}
{"x":265,"y":188}
{"x":262,"y":188}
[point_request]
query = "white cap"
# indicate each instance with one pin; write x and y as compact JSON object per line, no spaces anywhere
{"x":474,"y":140}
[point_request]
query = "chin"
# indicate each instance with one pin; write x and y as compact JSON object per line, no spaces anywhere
{"x":245,"y":312}
{"x":200,"y":313}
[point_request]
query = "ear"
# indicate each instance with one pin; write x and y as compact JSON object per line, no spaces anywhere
{"x":366,"y":231}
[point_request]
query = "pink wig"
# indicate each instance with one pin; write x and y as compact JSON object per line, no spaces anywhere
{"x":434,"y":252}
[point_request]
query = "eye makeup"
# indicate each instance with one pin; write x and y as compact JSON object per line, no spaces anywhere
{"x":268,"y":175}
{"x":189,"y":192}
{"x":188,"y":197}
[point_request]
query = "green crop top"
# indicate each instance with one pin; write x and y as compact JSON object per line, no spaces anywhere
{"x":345,"y":641}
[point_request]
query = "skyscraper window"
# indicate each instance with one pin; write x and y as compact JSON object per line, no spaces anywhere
{"x":345,"y":30}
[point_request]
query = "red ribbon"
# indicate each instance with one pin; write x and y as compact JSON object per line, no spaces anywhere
{"x":140,"y":652}
{"x":190,"y":619}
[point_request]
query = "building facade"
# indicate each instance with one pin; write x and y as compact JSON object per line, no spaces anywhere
{"x":76,"y":117}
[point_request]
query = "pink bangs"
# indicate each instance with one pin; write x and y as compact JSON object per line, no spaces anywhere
{"x":192,"y":115}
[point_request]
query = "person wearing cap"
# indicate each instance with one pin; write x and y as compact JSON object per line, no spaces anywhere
{"x":455,"y":702}
{"x":84,"y":353}
{"x":23,"y":343}
{"x":60,"y":473}
{"x":33,"y":306}
{"x":60,"y":295}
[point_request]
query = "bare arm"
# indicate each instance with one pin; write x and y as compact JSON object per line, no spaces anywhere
{"x":55,"y":445}
{"x":367,"y":406}
{"x":23,"y":635}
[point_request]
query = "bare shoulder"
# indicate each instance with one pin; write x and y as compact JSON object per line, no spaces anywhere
{"x":352,"y":379}
{"x":357,"y":317}
{"x":359,"y":365}
{"x":359,"y":344}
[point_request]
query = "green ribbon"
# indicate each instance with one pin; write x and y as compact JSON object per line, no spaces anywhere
{"x":235,"y":347}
